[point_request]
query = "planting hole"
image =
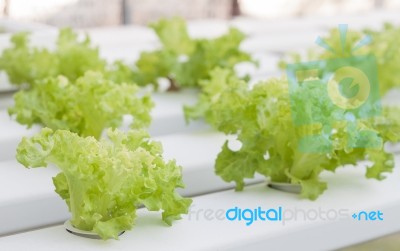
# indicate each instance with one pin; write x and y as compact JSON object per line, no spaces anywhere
{"x":234,"y":144}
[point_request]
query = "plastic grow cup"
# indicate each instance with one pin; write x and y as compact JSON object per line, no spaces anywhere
{"x":82,"y":233}
{"x":285,"y":187}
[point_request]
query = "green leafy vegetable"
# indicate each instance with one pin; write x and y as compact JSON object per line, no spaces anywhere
{"x":76,"y":57}
{"x":103,"y":182}
{"x":262,"y":119}
{"x":72,"y":57}
{"x":384,"y":46}
{"x":85,"y":106}
{"x":222,"y":82}
{"x":24,"y":64}
{"x":184,"y":60}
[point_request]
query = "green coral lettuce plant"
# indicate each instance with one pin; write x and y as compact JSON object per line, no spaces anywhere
{"x":103,"y":182}
{"x":383,"y":45}
{"x":85,"y":106}
{"x":261,"y":118}
{"x":183,"y":60}
{"x":72,"y":57}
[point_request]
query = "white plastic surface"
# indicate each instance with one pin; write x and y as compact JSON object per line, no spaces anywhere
{"x":11,"y":134}
{"x":348,"y":189}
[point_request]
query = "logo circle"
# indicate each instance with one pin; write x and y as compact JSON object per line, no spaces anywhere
{"x":358,"y":77}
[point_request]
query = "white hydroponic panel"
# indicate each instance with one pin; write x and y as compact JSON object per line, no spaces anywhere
{"x":255,"y":27}
{"x":10,"y":135}
{"x":372,"y":20}
{"x":200,"y":230}
{"x":280,"y":43}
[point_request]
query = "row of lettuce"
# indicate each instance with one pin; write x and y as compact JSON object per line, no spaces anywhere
{"x":76,"y":95}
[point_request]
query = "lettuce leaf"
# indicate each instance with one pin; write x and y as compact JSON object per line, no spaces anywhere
{"x":76,"y":57}
{"x":263,"y":120}
{"x":222,"y":82}
{"x":173,"y":35}
{"x":24,"y":65}
{"x":71,"y":58}
{"x":85,"y":106}
{"x":384,"y":46}
{"x":185,"y":60}
{"x":103,"y":182}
